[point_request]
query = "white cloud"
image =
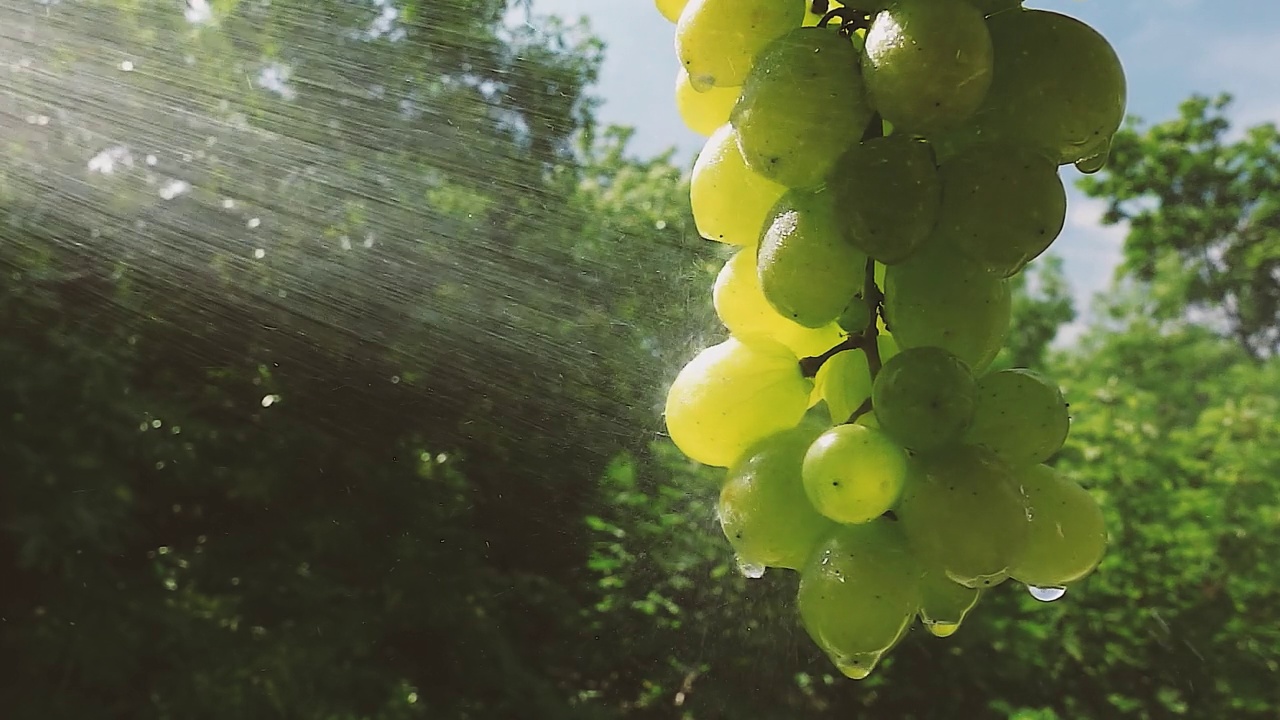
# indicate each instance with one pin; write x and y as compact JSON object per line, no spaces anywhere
{"x":1090,"y":252}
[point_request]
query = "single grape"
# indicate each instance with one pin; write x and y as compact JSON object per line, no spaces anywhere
{"x":1002,"y":205}
{"x":925,"y":398}
{"x":1068,"y":535}
{"x":856,"y":316}
{"x":858,"y":593}
{"x":717,"y":40}
{"x":802,"y":106}
{"x":1021,"y":416}
{"x":763,"y":508}
{"x":846,"y":378}
{"x":928,"y":64}
{"x":962,"y":511}
{"x":730,"y":201}
{"x":808,"y":269}
{"x":854,"y":474}
{"x":671,"y":9}
{"x":1058,"y":87}
{"x":889,"y":193}
{"x":703,"y":112}
{"x":741,"y":306}
{"x":733,"y":395}
{"x":937,"y":297}
{"x":944,"y":603}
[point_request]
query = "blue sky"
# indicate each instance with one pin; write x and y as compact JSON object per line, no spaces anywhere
{"x":1170,"y":48}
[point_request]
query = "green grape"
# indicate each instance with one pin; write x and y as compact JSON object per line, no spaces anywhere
{"x":991,"y":7}
{"x":944,"y":603}
{"x":854,"y":474}
{"x":717,"y":40}
{"x":802,"y":106}
{"x":1021,"y":416}
{"x":856,"y":316}
{"x":858,"y":594}
{"x":730,"y":201}
{"x":1068,"y":535}
{"x":928,"y":64}
{"x":671,"y":9}
{"x":925,"y":398}
{"x":733,"y":395}
{"x":763,"y":509}
{"x":1058,"y":88}
{"x":703,"y":112}
{"x":741,"y":306}
{"x":889,"y":193}
{"x":808,"y":269}
{"x":962,"y":511}
{"x":937,"y":297}
{"x":1002,"y":205}
{"x":846,"y":378}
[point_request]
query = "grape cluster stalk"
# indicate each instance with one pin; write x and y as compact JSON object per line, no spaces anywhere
{"x":880,"y":170}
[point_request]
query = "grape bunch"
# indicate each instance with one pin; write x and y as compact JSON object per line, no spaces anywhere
{"x":879,"y":170}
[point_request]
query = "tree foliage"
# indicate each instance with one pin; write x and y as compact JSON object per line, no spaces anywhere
{"x":1204,"y":217}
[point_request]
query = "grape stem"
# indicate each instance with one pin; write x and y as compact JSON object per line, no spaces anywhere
{"x":851,"y":20}
{"x":874,"y":298}
{"x":874,"y":129}
{"x":810,"y":366}
{"x":865,"y":340}
{"x":863,"y":409}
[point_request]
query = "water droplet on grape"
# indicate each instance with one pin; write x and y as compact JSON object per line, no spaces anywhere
{"x":750,"y":570}
{"x":1046,"y":594}
{"x":858,"y":667}
{"x":1091,"y":165}
{"x":943,"y":629}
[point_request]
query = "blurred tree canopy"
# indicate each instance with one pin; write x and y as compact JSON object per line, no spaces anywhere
{"x":1203,"y":210}
{"x":335,"y":336}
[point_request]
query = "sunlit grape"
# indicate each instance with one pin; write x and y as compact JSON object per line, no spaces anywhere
{"x":802,"y":106}
{"x":742,"y":307}
{"x":717,"y":40}
{"x":763,"y":508}
{"x":733,"y":395}
{"x":854,"y":474}
{"x":730,"y":201}
{"x":671,"y":9}
{"x":808,"y":269}
{"x":703,"y":112}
